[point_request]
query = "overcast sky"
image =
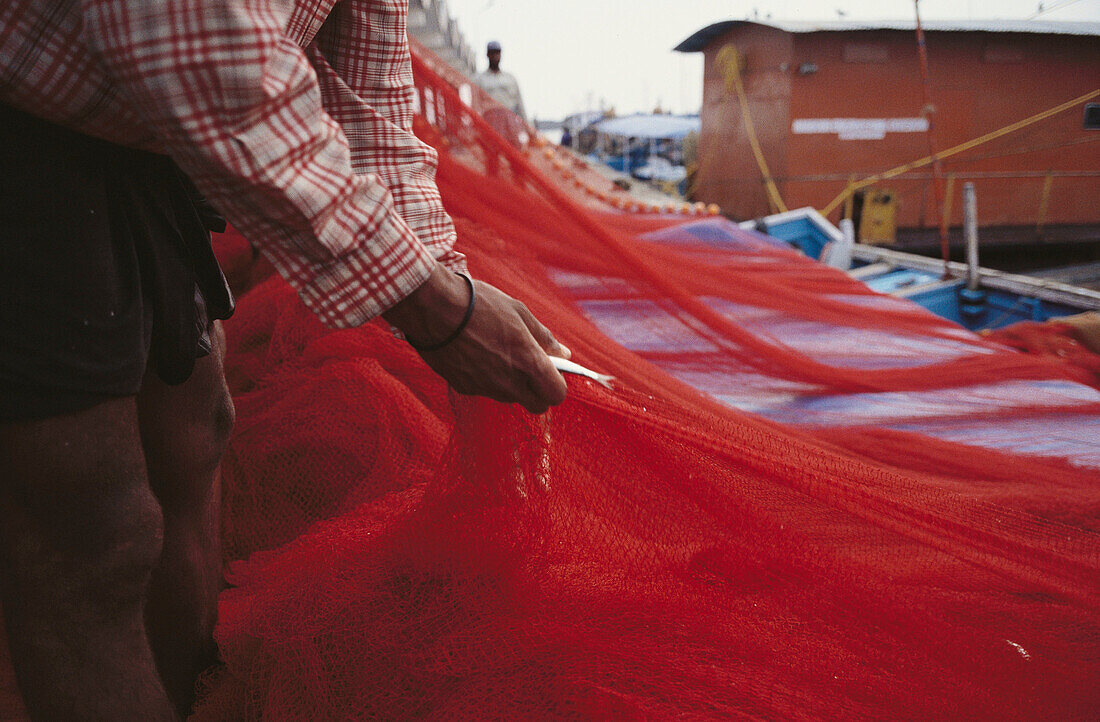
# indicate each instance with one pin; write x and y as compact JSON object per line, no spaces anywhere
{"x":568,"y":54}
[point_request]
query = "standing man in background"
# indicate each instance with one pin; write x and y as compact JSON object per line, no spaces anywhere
{"x":501,"y":86}
{"x":511,"y":120}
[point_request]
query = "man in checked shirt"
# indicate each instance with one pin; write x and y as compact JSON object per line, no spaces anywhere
{"x":293,"y":118}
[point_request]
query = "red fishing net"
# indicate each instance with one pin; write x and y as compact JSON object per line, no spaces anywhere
{"x":652,"y":552}
{"x":801,"y":499}
{"x":1071,"y":343}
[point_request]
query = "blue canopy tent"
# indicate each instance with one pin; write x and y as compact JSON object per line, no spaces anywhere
{"x":640,"y":135}
{"x":650,"y":127}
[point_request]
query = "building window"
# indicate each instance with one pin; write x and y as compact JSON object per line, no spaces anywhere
{"x":1092,"y":116}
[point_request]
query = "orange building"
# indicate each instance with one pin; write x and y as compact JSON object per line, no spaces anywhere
{"x":840,"y":101}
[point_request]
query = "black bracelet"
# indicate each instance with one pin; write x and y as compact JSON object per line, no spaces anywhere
{"x":461,"y":324}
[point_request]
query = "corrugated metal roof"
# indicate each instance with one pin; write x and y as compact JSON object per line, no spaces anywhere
{"x":698,"y":41}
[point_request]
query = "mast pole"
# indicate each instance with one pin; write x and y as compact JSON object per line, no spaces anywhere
{"x":929,"y":112}
{"x":970,"y":222}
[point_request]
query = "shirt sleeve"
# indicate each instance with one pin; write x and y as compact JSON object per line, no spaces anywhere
{"x":237,"y":104}
{"x":361,"y":57}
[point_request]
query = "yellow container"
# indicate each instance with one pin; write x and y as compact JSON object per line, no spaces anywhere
{"x":878,"y":217}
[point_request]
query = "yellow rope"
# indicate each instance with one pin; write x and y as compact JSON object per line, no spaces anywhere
{"x":729,"y":60}
{"x":871,"y":180}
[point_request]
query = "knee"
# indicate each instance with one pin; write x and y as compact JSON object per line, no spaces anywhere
{"x":197,"y":440}
{"x":123,"y":546}
{"x":182,"y":470}
{"x":77,"y":515}
{"x":95,"y":551}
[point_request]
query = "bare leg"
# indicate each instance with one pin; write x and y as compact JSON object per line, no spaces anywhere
{"x":184,"y":431}
{"x":80,"y":532}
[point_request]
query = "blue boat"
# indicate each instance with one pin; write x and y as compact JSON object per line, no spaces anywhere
{"x":999,"y":299}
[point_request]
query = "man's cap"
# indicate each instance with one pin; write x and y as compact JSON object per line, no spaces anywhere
{"x":493,"y":45}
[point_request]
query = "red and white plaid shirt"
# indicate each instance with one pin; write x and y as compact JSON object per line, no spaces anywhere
{"x":293,"y":117}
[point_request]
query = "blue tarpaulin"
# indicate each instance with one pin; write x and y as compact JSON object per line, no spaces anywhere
{"x":981,"y":414}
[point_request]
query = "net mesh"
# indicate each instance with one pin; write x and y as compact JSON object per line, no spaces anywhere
{"x":800,"y":500}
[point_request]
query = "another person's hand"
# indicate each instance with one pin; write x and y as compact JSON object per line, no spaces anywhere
{"x":503,"y":353}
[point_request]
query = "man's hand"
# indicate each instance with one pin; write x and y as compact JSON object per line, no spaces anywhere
{"x":503,"y":353}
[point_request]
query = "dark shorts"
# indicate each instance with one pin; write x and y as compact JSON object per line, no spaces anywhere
{"x":105,"y":269}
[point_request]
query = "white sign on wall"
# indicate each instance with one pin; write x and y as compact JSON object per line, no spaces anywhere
{"x":858,"y":128}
